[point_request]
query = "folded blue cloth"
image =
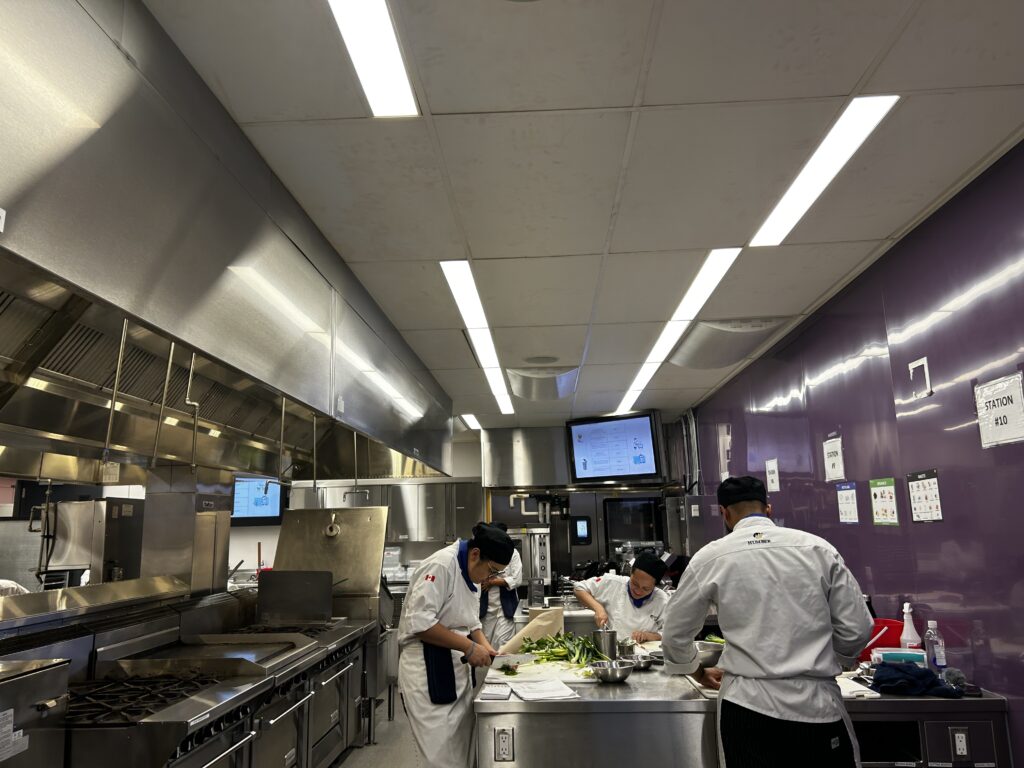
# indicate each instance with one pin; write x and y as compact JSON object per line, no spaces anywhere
{"x":911,"y":680}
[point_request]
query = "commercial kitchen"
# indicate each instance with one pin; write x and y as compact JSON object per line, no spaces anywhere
{"x":295,"y":293}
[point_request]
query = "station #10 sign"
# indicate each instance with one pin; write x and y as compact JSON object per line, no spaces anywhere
{"x":1000,"y":406}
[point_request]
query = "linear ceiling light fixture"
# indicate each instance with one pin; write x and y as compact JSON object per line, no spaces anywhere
{"x":853,"y":127}
{"x":715,"y":267}
{"x":471,"y":421}
{"x":463,"y":287}
{"x":372,"y":44}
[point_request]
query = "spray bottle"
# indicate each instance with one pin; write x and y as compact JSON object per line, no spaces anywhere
{"x":909,"y":638}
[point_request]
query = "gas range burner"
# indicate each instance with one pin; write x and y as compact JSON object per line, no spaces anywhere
{"x":121,"y":702}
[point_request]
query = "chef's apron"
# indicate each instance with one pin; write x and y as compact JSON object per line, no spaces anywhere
{"x":444,"y":732}
{"x":837,"y":697}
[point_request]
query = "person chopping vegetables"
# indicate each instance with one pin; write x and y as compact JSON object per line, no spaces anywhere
{"x":442,"y":642}
{"x":790,"y":610}
{"x":633,"y":605}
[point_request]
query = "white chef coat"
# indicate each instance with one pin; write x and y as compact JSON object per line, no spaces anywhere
{"x":612,"y":592}
{"x":10,"y":588}
{"x":497,"y":629}
{"x":438,"y":594}
{"x":787,"y":606}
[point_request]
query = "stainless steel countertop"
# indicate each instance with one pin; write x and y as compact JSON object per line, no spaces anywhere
{"x":654,"y":691}
{"x":648,"y":691}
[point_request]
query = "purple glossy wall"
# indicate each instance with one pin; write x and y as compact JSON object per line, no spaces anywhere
{"x":953,"y":290}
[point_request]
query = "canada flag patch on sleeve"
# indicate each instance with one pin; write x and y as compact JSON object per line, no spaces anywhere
{"x":430,"y":577}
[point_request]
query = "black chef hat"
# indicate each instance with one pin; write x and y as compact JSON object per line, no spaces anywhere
{"x":648,"y":562}
{"x":493,"y":543}
{"x":736,"y":489}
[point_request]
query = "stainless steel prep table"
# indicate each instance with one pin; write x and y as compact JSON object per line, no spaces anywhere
{"x":673,"y":720}
{"x":663,"y":717}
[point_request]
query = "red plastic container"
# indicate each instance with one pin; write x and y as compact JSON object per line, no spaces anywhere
{"x":890,"y":630}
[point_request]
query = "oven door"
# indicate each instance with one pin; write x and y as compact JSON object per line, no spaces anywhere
{"x":228,"y":749}
{"x":280,"y":740}
{"x":327,"y":721}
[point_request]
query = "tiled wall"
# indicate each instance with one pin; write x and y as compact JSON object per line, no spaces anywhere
{"x":951,"y":291}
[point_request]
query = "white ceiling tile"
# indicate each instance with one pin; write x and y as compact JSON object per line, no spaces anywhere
{"x":565,"y":342}
{"x":561,"y":407}
{"x":926,"y":146}
{"x":671,"y":376}
{"x":706,"y":176}
{"x":373,"y":187}
{"x":621,"y":342}
{"x":671,"y":401}
{"x":498,"y":421}
{"x":477,"y":56}
{"x":596,"y":403}
{"x":735,"y":50}
{"x":538,"y":184}
{"x":540,"y":420}
{"x":783,"y":281}
{"x":442,"y":350}
{"x":268,"y":60}
{"x":605,"y":378}
{"x":951,"y":43}
{"x":645,"y":286}
{"x":413,"y":294}
{"x":462,"y":381}
{"x":532,"y":292}
{"x":478,"y":405}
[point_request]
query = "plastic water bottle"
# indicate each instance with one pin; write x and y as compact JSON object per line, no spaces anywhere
{"x":935,"y":647}
{"x":909,"y":638}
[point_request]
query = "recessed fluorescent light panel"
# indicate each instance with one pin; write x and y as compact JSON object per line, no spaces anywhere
{"x":851,"y":130}
{"x":463,"y":287}
{"x":372,"y":45}
{"x":471,"y":421}
{"x":715,"y":267}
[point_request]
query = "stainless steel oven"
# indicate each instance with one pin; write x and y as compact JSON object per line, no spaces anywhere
{"x":534,"y":547}
{"x":330,"y":729}
{"x":33,"y":702}
{"x":279,"y":723}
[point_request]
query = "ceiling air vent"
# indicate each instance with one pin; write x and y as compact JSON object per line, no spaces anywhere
{"x":722,"y":343}
{"x":542,"y":383}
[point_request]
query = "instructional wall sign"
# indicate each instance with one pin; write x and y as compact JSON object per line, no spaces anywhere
{"x":923,"y":488}
{"x":833,"y":450}
{"x":1000,"y":406}
{"x":695,"y":510}
{"x":883,"y":501}
{"x":771,"y":470}
{"x":847,"y":495}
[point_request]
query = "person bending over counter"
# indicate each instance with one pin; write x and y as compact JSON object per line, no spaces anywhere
{"x":631,"y":605}
{"x":442,"y":643}
{"x":789,"y":610}
{"x":499,"y":601}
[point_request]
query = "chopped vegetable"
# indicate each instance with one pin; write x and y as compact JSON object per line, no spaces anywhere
{"x":564,"y":647}
{"x":510,"y":670}
{"x":714,"y":639}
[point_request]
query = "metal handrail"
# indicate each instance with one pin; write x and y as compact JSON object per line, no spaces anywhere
{"x":332,"y":678}
{"x":292,"y":708}
{"x":195,"y":406}
{"x":117,"y":388}
{"x":163,"y":405}
{"x":234,"y":748}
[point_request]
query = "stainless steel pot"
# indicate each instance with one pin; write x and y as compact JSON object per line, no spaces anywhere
{"x":605,"y":639}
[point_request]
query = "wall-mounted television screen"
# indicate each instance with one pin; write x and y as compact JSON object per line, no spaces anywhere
{"x":614,"y":448}
{"x":257,"y":501}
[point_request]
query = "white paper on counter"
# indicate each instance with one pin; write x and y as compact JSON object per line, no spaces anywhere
{"x":542,"y":690}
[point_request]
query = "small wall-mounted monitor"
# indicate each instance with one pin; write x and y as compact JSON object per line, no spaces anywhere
{"x":581,"y":532}
{"x":614,"y":448}
{"x":257,"y":501}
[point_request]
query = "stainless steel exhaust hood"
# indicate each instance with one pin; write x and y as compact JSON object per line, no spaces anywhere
{"x":125,"y":177}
